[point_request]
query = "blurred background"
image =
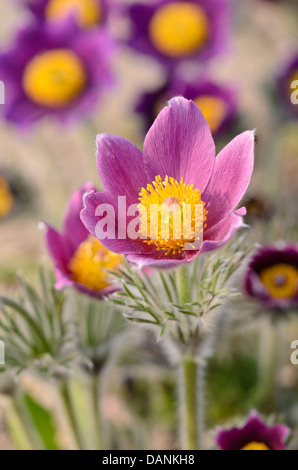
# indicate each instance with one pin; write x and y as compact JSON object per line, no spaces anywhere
{"x":44,"y":165}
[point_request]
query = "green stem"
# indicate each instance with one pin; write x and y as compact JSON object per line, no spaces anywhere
{"x":96,"y":411}
{"x":191,"y":413}
{"x":66,"y":396}
{"x":183,"y":283}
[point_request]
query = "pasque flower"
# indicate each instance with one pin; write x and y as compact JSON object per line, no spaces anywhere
{"x":272,"y":276}
{"x":7,"y":199}
{"x":87,"y":13}
{"x":80,"y":259}
{"x":288,"y":86}
{"x":217,"y":103}
{"x":254,"y":435}
{"x":177,"y":167}
{"x":56,"y":70}
{"x":174,"y":31}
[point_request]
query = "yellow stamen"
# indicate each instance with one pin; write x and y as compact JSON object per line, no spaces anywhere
{"x":6,"y":198}
{"x":173,"y":214}
{"x":87,"y":12}
{"x":214,"y":110}
{"x":89,"y":264}
{"x":281,"y":280}
{"x":179,"y":29}
{"x":54,"y":78}
{"x":255,"y":446}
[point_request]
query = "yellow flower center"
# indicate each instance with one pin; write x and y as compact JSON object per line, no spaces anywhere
{"x":255,"y":446}
{"x":90,"y":263}
{"x":281,"y":280}
{"x":179,"y":29}
{"x":214,"y":110}
{"x":54,"y":78}
{"x":6,"y":198}
{"x":87,"y":12}
{"x":293,"y":78}
{"x":172,"y":215}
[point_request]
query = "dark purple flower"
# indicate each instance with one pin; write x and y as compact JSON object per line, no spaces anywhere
{"x":87,"y":13}
{"x":288,"y":86}
{"x":174,"y":31}
{"x":80,"y":259}
{"x":177,"y":168}
{"x":217,"y":103}
{"x":58,"y":71}
{"x":272,"y":276}
{"x":255,"y":435}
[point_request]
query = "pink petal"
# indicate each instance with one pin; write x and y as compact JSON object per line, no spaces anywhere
{"x":180,"y":144}
{"x":120,"y":166}
{"x":230,"y":178}
{"x":58,"y":248}
{"x":221,"y":233}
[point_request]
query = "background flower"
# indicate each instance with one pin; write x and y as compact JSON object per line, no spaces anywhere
{"x":285,"y":85}
{"x":255,"y":435}
{"x":57,"y":71}
{"x":80,"y":260}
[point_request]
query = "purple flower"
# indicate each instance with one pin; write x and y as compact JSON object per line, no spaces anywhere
{"x":87,"y":13}
{"x":217,"y":103}
{"x":177,"y":168}
{"x":255,"y":435}
{"x":272,"y":276}
{"x":174,"y":31}
{"x":80,"y":260}
{"x":288,"y":86}
{"x":57,"y":71}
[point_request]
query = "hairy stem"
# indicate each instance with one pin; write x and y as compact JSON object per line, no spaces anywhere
{"x":96,"y":411}
{"x":183,"y":283}
{"x":66,"y":396}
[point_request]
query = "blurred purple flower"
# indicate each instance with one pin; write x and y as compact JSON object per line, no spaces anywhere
{"x":58,"y":71}
{"x":178,"y":166}
{"x":255,"y":435}
{"x":87,"y":13}
{"x":288,"y":89}
{"x":217,"y":103}
{"x":174,"y":31}
{"x":80,"y":260}
{"x":272,"y":276}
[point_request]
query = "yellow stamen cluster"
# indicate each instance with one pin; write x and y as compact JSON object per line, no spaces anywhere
{"x":214,"y":110}
{"x":173,"y":214}
{"x":281,"y":280}
{"x":6,"y":198}
{"x":255,"y":446}
{"x":87,"y":12}
{"x":54,"y":78}
{"x":179,"y":29}
{"x":90,"y":263}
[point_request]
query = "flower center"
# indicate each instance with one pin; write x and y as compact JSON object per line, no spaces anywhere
{"x":255,"y":446}
{"x":179,"y":29}
{"x":293,"y":78}
{"x":89,"y":264}
{"x":281,"y":280}
{"x":87,"y":12}
{"x":54,"y":78}
{"x":6,"y":198}
{"x":173,"y":215}
{"x":214,"y":110}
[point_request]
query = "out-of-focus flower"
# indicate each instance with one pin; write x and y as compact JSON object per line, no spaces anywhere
{"x":288,"y":86}
{"x":6,"y":197}
{"x":174,"y":31}
{"x":258,"y":208}
{"x":272,"y":276}
{"x":178,"y":167}
{"x":217,"y":103}
{"x":87,"y":13}
{"x":80,"y":259}
{"x":57,"y":71}
{"x":255,"y":435}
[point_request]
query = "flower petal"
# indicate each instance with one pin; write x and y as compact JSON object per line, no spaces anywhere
{"x":58,"y":248}
{"x":74,"y":230}
{"x":221,"y":233}
{"x":179,"y":144}
{"x":230,"y":178}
